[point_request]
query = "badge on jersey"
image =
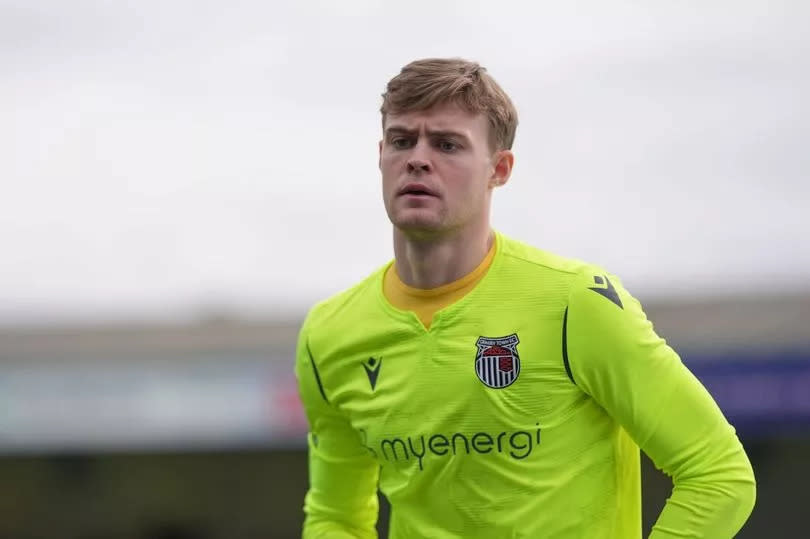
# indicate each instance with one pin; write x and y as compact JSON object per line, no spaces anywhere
{"x":497,"y":363}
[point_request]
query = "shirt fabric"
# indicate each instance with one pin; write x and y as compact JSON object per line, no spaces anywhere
{"x":519,"y":413}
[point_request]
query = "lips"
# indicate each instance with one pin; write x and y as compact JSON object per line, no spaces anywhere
{"x":417,"y":189}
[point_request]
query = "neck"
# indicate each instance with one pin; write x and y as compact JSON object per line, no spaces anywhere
{"x":432,"y":262}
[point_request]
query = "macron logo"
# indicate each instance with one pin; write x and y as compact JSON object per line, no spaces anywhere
{"x":372,"y":367}
{"x":609,"y":291}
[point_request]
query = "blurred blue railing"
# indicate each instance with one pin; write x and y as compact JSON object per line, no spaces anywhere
{"x":763,"y":394}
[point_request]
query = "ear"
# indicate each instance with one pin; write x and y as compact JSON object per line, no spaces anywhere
{"x":503,"y":161}
{"x":379,"y":157}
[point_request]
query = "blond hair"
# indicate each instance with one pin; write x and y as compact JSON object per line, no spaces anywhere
{"x":423,"y":84}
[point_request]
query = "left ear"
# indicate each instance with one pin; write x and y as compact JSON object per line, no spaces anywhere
{"x":503,"y":161}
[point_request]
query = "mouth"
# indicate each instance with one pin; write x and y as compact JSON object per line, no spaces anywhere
{"x":416,"y":189}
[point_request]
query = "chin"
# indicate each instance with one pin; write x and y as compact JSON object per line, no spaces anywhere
{"x":417,"y":224}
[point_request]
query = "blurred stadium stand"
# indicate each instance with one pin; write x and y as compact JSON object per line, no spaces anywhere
{"x":195,"y":431}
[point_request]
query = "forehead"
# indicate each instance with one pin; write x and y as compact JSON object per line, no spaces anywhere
{"x":444,"y":117}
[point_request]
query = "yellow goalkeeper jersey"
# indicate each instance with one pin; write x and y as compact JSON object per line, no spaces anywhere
{"x":518,"y":414}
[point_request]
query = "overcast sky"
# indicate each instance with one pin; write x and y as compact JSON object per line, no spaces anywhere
{"x":161,"y":157}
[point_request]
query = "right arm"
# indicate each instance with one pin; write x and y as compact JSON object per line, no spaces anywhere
{"x":341,"y":502}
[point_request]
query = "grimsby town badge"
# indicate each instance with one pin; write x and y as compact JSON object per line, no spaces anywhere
{"x":497,"y":363}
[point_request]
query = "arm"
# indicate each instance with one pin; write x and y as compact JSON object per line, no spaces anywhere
{"x":342,"y":499}
{"x":616,"y":357}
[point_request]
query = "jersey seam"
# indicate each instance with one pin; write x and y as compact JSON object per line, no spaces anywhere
{"x":566,"y":364}
{"x":315,"y":371}
{"x":544,"y":265}
{"x":567,"y":360}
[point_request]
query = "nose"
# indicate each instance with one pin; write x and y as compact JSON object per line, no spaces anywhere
{"x":418,"y":166}
{"x":418,"y":162}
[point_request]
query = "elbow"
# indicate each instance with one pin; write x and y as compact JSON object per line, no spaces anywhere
{"x":741,"y":494}
{"x":724,"y":494}
{"x":747,"y":493}
{"x":742,"y":483}
{"x":742,"y":503}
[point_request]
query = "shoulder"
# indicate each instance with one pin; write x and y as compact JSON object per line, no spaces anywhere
{"x":523,"y":259}
{"x":520,"y":253}
{"x":579,"y":281}
{"x":347,"y":305}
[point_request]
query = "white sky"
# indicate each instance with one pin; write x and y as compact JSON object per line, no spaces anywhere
{"x":158,"y":157}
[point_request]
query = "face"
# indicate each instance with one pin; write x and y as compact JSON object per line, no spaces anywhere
{"x":438,"y":170}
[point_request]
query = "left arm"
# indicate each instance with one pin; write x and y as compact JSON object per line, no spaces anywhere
{"x":617,"y":358}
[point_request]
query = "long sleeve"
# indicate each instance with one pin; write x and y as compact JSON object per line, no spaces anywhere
{"x":616,"y":357}
{"x":341,"y":502}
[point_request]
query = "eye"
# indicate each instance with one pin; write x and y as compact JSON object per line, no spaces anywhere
{"x":401,"y":143}
{"x":447,"y":146}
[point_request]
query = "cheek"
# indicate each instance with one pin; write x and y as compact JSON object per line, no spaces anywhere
{"x":389,"y":165}
{"x":466,"y":180}
{"x":388,"y":171}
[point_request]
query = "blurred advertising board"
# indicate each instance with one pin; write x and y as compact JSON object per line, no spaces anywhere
{"x":230,"y":403}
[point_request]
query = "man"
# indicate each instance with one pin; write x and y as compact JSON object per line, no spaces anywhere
{"x":492,"y":389}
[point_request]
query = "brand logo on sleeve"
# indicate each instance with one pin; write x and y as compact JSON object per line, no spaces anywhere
{"x":372,"y":367}
{"x":497,"y":363}
{"x":607,"y":290}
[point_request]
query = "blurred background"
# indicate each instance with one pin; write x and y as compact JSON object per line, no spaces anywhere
{"x":182,"y":180}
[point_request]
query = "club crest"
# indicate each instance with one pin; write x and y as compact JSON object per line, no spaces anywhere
{"x":497,"y":363}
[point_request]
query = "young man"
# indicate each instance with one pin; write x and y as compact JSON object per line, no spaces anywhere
{"x":489,"y":388}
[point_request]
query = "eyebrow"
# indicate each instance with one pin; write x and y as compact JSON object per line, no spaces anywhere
{"x":400,"y":130}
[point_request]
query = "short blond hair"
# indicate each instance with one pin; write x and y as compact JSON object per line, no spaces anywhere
{"x":423,"y":84}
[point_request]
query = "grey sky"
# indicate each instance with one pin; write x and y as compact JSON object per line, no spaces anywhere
{"x":158,"y":157}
